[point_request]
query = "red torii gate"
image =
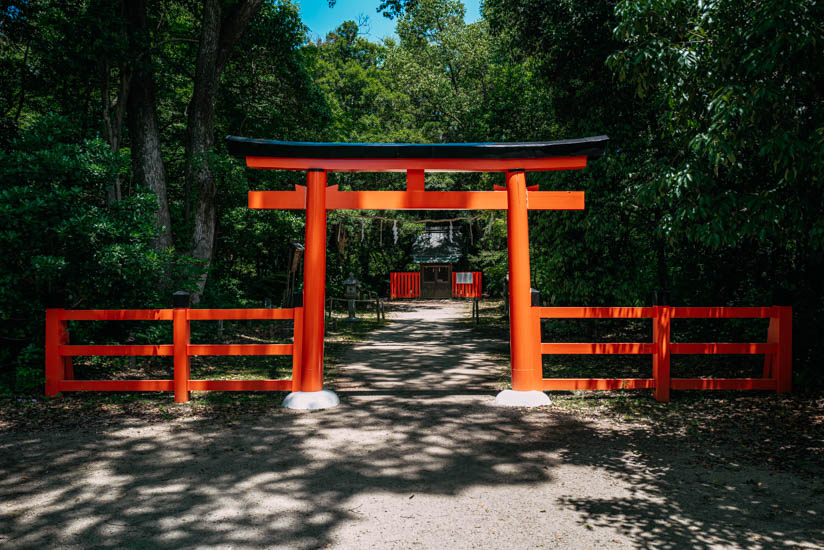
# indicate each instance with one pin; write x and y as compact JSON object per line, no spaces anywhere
{"x":415,"y":159}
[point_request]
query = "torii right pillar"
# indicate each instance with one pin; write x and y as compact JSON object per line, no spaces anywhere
{"x":526,"y":370}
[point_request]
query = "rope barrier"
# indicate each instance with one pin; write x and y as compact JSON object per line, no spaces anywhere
{"x":389,"y":219}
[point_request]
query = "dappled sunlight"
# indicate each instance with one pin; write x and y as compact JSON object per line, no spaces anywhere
{"x":314,"y":479}
{"x":425,"y":347}
{"x":283,"y":477}
{"x":415,"y":455}
{"x":675,"y":498}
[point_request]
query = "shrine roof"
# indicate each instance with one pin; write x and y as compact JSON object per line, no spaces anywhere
{"x":589,"y":147}
{"x":437,"y":245}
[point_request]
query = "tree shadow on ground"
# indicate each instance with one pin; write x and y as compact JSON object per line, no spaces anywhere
{"x":290,"y":478}
{"x":684,"y":496}
{"x":278,"y":478}
{"x":286,"y":477}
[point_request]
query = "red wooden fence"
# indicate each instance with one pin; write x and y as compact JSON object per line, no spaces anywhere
{"x":777,"y":350}
{"x":471,"y":290}
{"x":405,"y":284}
{"x":60,"y":374}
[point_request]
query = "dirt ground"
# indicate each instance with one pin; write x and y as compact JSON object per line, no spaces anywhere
{"x":416,"y":456}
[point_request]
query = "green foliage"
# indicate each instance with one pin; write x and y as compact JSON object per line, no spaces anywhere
{"x":267,"y":87}
{"x":712,"y":187}
{"x":737,"y":88}
{"x":361,"y":94}
{"x":64,"y":247}
{"x":555,"y":53}
{"x":491,"y":256}
{"x":443,"y":64}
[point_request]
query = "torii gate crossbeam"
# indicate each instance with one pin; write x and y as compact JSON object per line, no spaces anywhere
{"x":415,"y":159}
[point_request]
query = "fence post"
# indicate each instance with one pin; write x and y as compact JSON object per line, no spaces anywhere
{"x":297,"y":348}
{"x":180,"y":318}
{"x":537,"y":340}
{"x":661,"y":357}
{"x":268,"y":304}
{"x":68,"y":368}
{"x":55,"y":371}
{"x":783,"y":366}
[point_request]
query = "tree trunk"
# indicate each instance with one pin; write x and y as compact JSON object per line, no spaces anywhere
{"x":114,"y":111}
{"x":217,"y":39}
{"x":22,"y":97}
{"x":147,"y":159}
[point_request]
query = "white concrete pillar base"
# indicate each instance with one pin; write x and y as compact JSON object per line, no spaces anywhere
{"x":311,"y":400}
{"x":512,"y":398}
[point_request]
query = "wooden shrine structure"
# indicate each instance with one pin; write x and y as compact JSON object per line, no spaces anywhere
{"x":513,"y":159}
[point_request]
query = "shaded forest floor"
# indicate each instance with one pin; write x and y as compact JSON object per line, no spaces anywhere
{"x":410,"y":459}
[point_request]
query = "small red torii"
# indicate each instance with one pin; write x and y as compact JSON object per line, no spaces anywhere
{"x":415,"y":159}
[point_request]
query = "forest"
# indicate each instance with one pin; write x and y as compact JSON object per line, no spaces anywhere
{"x":116,"y":188}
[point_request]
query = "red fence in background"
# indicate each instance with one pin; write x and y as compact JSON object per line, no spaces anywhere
{"x":466,"y":290}
{"x":59,"y":353}
{"x":405,"y":284}
{"x":777,"y":350}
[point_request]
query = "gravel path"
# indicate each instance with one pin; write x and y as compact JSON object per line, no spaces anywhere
{"x":428,"y":347}
{"x":416,"y":456}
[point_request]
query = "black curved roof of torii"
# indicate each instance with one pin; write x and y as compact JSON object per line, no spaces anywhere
{"x":590,"y":147}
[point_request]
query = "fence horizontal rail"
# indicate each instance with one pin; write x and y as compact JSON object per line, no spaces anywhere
{"x":596,"y":348}
{"x":777,"y":350}
{"x":595,"y":312}
{"x":723,"y":312}
{"x":150,"y":350}
{"x":115,"y":314}
{"x":115,"y":385}
{"x":240,"y":385}
{"x":166,"y":314}
{"x":59,"y":353}
{"x":723,"y":349}
{"x":166,"y":350}
{"x":647,"y":312}
{"x":240,"y":349}
{"x":262,"y":314}
{"x":577,"y":348}
{"x":723,"y":383}
{"x":168,"y":385}
{"x":598,"y":384}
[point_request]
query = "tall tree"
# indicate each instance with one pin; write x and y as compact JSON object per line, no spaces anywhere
{"x":222,"y":25}
{"x":144,"y":133}
{"x":444,"y":64}
{"x":220,"y":31}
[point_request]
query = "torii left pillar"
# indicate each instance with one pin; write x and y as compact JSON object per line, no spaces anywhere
{"x":308,"y":392}
{"x":526,"y":359}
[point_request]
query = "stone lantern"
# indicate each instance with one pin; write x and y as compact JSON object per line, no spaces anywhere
{"x":350,"y":292}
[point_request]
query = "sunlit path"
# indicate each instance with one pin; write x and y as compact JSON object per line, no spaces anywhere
{"x":426,"y":346}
